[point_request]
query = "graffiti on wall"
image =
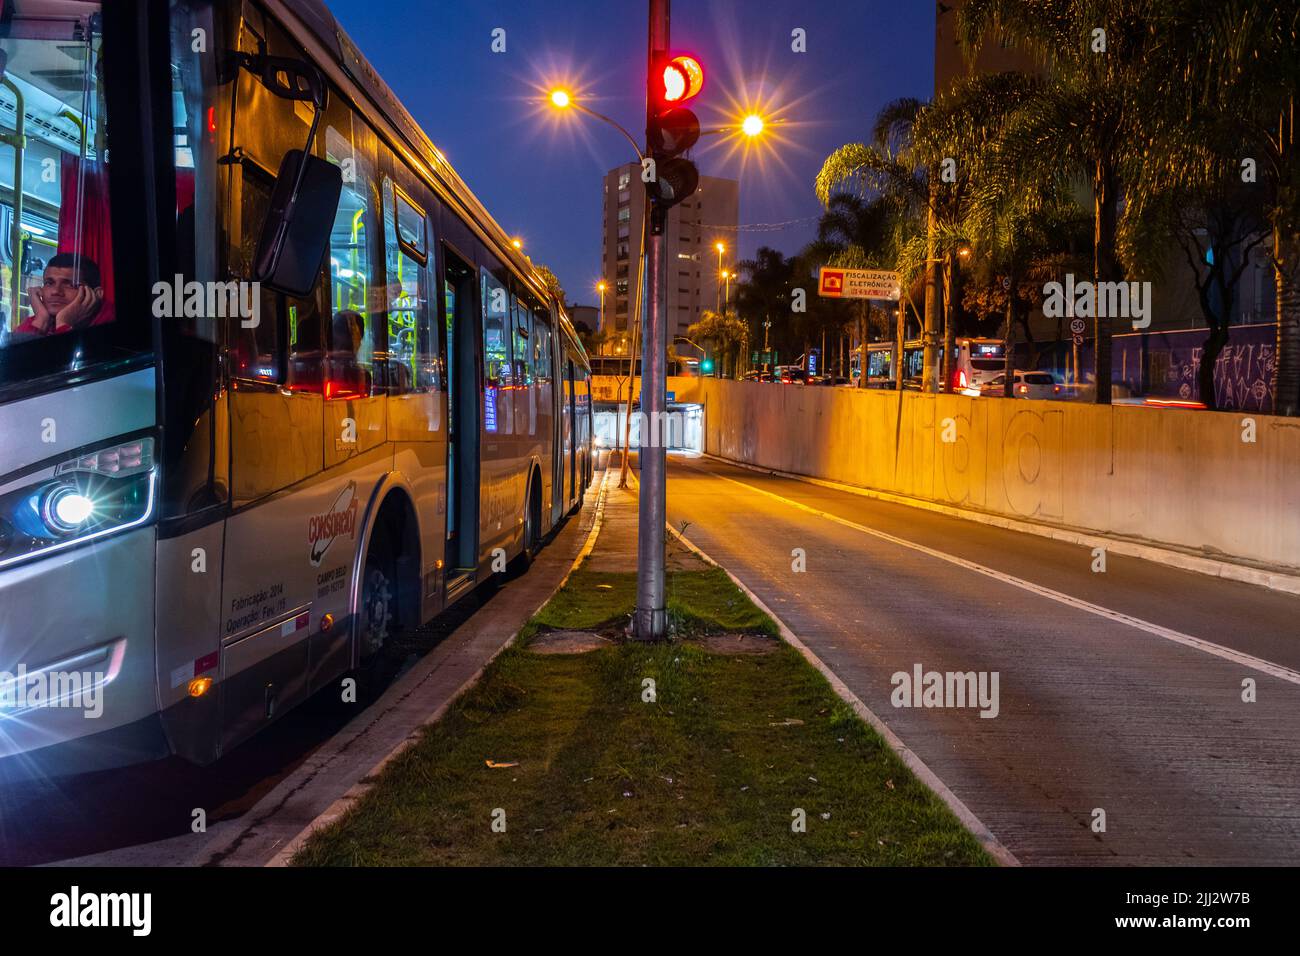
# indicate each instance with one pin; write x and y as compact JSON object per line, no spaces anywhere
{"x":1243,"y":372}
{"x":1243,"y":376}
{"x":1024,"y":468}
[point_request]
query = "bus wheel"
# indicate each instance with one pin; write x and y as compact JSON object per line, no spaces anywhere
{"x":378,"y":611}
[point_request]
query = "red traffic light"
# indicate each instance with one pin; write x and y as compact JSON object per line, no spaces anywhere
{"x":683,"y":77}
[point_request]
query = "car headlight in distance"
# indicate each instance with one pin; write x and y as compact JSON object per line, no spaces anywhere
{"x":83,"y":498}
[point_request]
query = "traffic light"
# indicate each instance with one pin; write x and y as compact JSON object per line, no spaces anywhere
{"x":672,"y":129}
{"x":706,"y":367}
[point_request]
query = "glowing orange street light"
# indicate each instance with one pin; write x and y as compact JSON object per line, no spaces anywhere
{"x":600,"y":287}
{"x":517,"y":243}
{"x":721,"y":249}
{"x":562,"y":99}
{"x":751,"y":126}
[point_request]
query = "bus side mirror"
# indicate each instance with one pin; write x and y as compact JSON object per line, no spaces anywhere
{"x":296,"y":234}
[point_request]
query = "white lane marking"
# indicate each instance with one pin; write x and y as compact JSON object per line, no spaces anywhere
{"x":1227,"y":653}
{"x":905,"y":753}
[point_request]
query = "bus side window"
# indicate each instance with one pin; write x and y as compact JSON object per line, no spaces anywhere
{"x":255,"y":351}
{"x":542,"y":345}
{"x":523,"y":320}
{"x":412,"y":360}
{"x":351,"y":338}
{"x":496,"y":332}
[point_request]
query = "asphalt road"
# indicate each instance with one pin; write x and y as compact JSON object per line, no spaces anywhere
{"x":1119,"y":691}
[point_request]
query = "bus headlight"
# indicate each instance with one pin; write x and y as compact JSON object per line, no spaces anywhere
{"x":65,"y":509}
{"x":78,"y":500}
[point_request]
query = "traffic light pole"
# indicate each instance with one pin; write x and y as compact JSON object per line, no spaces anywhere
{"x":651,"y":620}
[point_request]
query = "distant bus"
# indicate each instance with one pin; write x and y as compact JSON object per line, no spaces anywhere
{"x":208,"y":515}
{"x":975,"y":361}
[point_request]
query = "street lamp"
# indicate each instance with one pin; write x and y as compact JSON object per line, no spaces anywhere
{"x":751,"y":125}
{"x":562,"y":99}
{"x":600,"y":287}
{"x":721,"y":249}
{"x":704,"y":353}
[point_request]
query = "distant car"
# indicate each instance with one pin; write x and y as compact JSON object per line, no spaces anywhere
{"x":789,"y":375}
{"x":758,"y":377}
{"x":1038,"y":386}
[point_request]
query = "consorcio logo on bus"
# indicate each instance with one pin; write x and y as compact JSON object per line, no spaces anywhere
{"x":340,"y":520}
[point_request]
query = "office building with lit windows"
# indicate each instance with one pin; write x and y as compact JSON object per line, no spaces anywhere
{"x":696,"y":227}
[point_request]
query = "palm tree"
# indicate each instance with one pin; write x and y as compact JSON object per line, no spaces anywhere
{"x":728,"y":334}
{"x":854,"y":233}
{"x":917,"y":188}
{"x":851,"y":222}
{"x":763,"y":295}
{"x":1086,"y":120}
{"x":1014,"y":228}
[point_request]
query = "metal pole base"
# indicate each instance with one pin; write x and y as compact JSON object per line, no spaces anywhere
{"x":650,"y":624}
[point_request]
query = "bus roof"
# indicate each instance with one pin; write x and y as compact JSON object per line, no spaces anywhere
{"x":317,"y":18}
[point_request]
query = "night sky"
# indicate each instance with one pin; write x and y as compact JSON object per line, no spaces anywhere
{"x":539,"y":171}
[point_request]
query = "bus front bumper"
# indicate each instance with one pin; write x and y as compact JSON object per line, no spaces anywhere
{"x":77,"y":658}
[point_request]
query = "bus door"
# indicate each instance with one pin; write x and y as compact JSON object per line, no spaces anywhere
{"x":559,"y":419}
{"x":276,"y":433}
{"x":462,"y":420}
{"x":571,"y":438}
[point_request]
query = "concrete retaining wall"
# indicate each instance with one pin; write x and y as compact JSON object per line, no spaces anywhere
{"x":1182,"y":478}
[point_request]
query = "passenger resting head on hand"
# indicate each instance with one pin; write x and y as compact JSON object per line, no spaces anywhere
{"x":70,"y":296}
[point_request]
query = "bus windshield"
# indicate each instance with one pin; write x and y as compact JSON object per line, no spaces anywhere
{"x":56,"y":255}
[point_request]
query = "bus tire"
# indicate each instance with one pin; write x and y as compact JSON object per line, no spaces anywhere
{"x":389,"y":598}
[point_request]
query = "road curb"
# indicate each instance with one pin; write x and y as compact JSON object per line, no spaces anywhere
{"x":359,"y":789}
{"x":1272,"y":579}
{"x":992,"y":845}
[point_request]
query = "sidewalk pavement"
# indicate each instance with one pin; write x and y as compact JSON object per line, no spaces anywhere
{"x":615,"y":549}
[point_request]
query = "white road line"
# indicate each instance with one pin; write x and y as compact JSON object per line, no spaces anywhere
{"x":1227,"y":653}
{"x":919,"y":767}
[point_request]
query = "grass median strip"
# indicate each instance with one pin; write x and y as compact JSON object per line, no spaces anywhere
{"x":592,"y":771}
